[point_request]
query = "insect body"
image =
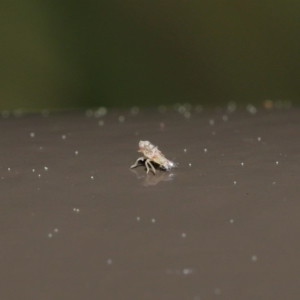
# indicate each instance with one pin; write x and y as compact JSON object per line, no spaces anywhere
{"x":152,"y":154}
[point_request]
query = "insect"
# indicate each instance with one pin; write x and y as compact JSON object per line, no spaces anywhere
{"x":152,"y":155}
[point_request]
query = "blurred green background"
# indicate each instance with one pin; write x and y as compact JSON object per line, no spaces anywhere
{"x":72,"y":54}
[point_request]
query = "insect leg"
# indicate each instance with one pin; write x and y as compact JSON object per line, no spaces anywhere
{"x":148,"y":163}
{"x":137,"y":162}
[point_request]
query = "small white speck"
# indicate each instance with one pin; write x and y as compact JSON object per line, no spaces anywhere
{"x":187,"y":271}
{"x":190,"y":164}
{"x":254,"y":258}
{"x":138,"y":219}
{"x":32,"y":134}
{"x":101,"y":123}
{"x":251,"y":109}
{"x":56,"y":230}
{"x":92,"y":177}
{"x":46,"y":168}
{"x":63,"y":136}
{"x":76,"y":209}
{"x":41,"y":148}
{"x":211,"y":122}
{"x":183,"y":235}
{"x":231,"y":220}
{"x":231,"y":106}
{"x":184,"y":150}
{"x":153,"y":220}
{"x":101,"y":111}
{"x":242,"y":164}
{"x":121,"y":119}
{"x":50,"y":235}
{"x":274,"y":183}
{"x":225,"y":118}
{"x":259,"y":139}
{"x":39,"y":175}
{"x":234,"y":182}
{"x":217,"y":291}
{"x":205,"y":150}
{"x":8,"y":169}
{"x":76,"y":152}
{"x":33,"y":170}
{"x":277,"y":162}
{"x":109,"y":261}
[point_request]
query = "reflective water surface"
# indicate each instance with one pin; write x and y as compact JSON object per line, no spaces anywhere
{"x":77,"y":223}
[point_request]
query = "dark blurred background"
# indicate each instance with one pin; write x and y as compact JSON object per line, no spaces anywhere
{"x":72,"y":54}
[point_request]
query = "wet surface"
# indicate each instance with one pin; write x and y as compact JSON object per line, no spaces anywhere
{"x":77,"y":223}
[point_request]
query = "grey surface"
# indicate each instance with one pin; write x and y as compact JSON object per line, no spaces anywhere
{"x":191,"y":233}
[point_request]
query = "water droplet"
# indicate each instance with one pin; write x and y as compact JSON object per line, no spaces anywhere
{"x":225,"y":118}
{"x":251,"y":109}
{"x":102,"y":111}
{"x":231,"y":106}
{"x":187,"y":271}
